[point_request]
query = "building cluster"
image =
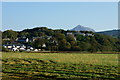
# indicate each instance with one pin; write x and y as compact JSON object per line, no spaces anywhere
{"x":83,"y":34}
{"x":18,"y":46}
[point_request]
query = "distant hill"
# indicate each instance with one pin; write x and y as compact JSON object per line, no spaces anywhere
{"x":82,"y":28}
{"x":113,"y":33}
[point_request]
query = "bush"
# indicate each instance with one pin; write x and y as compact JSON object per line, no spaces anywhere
{"x":5,"y":50}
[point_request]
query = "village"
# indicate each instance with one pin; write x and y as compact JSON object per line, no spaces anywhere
{"x":19,"y":44}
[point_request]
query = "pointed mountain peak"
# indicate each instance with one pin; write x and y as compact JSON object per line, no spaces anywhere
{"x":79,"y":26}
{"x":82,"y":28}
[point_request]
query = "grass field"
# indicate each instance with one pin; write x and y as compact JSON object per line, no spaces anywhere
{"x":46,"y":66}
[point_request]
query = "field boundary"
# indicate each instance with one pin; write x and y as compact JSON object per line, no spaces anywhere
{"x":73,"y":52}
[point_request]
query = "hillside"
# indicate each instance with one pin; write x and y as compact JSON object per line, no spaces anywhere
{"x":113,"y":33}
{"x":62,"y":40}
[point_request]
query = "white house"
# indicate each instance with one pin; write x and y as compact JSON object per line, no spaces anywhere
{"x":22,"y":39}
{"x":36,"y":50}
{"x":15,"y":47}
{"x":22,"y":48}
{"x":82,"y":34}
{"x":6,"y":39}
{"x":31,"y":48}
{"x":88,"y":34}
{"x":44,"y":45}
{"x":9,"y":46}
{"x":69,"y":33}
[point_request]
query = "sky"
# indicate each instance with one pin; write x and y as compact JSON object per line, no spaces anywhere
{"x":99,"y":16}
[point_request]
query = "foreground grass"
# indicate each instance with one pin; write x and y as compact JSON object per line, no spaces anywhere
{"x":42,"y":66}
{"x":97,"y":59}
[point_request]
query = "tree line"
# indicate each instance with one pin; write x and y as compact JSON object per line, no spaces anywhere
{"x":62,"y":41}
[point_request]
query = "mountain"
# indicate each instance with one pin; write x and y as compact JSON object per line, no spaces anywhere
{"x":113,"y":33}
{"x":82,"y":28}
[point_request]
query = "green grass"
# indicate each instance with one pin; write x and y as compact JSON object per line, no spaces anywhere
{"x":46,"y":66}
{"x":97,"y":59}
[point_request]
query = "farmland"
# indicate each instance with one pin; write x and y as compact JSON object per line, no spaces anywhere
{"x":46,"y":66}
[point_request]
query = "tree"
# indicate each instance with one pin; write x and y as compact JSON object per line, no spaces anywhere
{"x":49,"y":32}
{"x":117,"y":46}
{"x":5,"y":49}
{"x":62,"y":44}
{"x":76,"y":48}
{"x":70,"y":37}
{"x":106,"y":42}
{"x":84,"y":46}
{"x":68,"y":46}
{"x":38,"y":44}
{"x":52,"y":44}
{"x":73,"y":44}
{"x":94,"y":45}
{"x":80,"y":37}
{"x":24,"y":34}
{"x":59,"y":36}
{"x":10,"y":34}
{"x":41,"y":34}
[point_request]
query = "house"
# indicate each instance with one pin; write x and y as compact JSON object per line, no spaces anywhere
{"x":6,"y":39}
{"x":23,"y":49}
{"x":82,"y":34}
{"x":8,"y":46}
{"x":48,"y":37}
{"x":42,"y":37}
{"x":69,"y":33}
{"x":36,"y":50}
{"x":15,"y":47}
{"x":44,"y":45}
{"x":88,"y":34}
{"x":29,"y":48}
{"x":35,"y":38}
{"x":22,"y":39}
